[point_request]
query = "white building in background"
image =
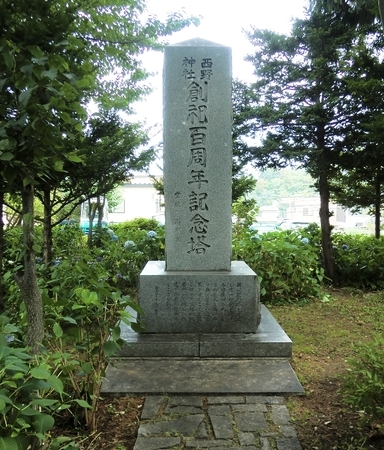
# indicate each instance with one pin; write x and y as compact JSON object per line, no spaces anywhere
{"x":297,"y":212}
{"x":306,"y":210}
{"x":139,"y":199}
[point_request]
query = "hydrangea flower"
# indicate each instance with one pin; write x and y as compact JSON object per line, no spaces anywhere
{"x":151,"y":234}
{"x":345,"y":247}
{"x":305,"y":240}
{"x":129,"y":244}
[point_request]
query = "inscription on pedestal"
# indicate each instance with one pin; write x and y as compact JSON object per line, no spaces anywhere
{"x":207,"y":302}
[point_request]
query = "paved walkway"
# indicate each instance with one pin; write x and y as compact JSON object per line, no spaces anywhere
{"x":216,"y":423}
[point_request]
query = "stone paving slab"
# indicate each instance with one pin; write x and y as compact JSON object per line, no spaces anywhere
{"x":216,"y":423}
{"x":188,"y":376}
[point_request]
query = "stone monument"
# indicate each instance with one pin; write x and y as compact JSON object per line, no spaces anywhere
{"x":205,"y":330}
{"x":197,"y":289}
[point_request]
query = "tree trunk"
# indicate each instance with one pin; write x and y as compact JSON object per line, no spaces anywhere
{"x":91,"y":217}
{"x":377,"y":206}
{"x":27,"y":280}
{"x":381,"y":10}
{"x":328,"y":257}
{"x":2,"y":302}
{"x":100,"y":211}
{"x":47,"y":227}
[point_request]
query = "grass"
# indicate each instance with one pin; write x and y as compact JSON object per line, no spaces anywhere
{"x":323,"y":335}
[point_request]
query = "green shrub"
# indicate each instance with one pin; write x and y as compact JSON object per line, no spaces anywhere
{"x":135,"y":229}
{"x":364,"y":384}
{"x":84,"y":332}
{"x":68,"y":239}
{"x":26,"y":401}
{"x":285,"y":262}
{"x":359,"y":260}
{"x":83,"y":308}
{"x":13,"y":247}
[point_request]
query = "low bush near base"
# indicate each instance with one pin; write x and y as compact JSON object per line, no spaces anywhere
{"x":364,"y":383}
{"x":286,"y":264}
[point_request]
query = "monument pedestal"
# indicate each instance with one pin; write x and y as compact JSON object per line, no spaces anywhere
{"x":199,"y":301}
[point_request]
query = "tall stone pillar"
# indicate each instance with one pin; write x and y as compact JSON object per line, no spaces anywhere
{"x":197,"y":289}
{"x":198,"y":156}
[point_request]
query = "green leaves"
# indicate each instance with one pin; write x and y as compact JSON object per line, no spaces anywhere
{"x":9,"y":443}
{"x":8,"y":58}
{"x":288,"y":269}
{"x":25,"y":416}
{"x":42,"y":423}
{"x":110,"y":348}
{"x":359,"y":260}
{"x":74,"y":157}
{"x":51,"y":73}
{"x":40,"y":373}
{"x":58,"y":331}
{"x":363,"y":387}
{"x":6,"y":156}
{"x":25,"y":96}
{"x":82,"y":403}
{"x":87,"y":298}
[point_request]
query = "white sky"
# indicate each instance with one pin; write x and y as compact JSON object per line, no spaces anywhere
{"x":222,"y":22}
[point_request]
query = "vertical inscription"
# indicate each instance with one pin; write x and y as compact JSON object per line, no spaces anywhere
{"x":231,"y":300}
{"x":156,"y":300}
{"x":168,"y":298}
{"x":197,"y":75}
{"x":177,"y":205}
{"x":239,"y":296}
{"x":175,"y":299}
{"x":215,"y":301}
{"x":197,"y":156}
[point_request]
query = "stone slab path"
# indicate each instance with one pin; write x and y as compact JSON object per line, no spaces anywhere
{"x":216,"y":423}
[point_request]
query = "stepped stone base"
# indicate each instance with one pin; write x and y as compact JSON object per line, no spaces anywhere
{"x":185,"y":376}
{"x":215,"y":364}
{"x":270,"y":340}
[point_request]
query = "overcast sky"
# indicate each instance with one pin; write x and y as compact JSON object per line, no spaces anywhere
{"x":222,"y":22}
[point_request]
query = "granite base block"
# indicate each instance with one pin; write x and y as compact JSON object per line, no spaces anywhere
{"x":199,"y":301}
{"x":270,"y":340}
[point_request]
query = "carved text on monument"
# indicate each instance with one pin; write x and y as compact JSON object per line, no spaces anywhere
{"x":197,"y":75}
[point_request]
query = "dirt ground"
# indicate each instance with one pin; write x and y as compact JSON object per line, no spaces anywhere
{"x":323,"y":421}
{"x":323,"y":334}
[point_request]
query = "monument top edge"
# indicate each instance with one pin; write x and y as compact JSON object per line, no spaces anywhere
{"x":196,"y":42}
